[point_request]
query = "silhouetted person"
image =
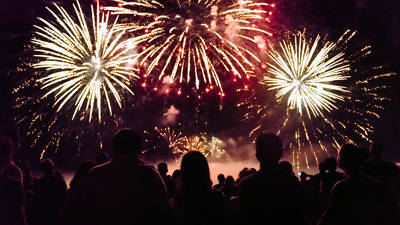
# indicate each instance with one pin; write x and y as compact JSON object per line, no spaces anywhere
{"x":11,"y":190}
{"x":385,"y":171}
{"x":50,"y":192}
{"x":377,"y":167}
{"x":330,"y":178}
{"x":229,"y":188}
{"x":317,"y":178}
{"x":27,"y":175}
{"x":356,"y":200}
{"x":122,"y":191}
{"x":11,"y":169}
{"x":29,"y":189}
{"x":221,"y":181}
{"x":316,"y":181}
{"x":163,"y":170}
{"x":310,"y":199}
{"x":270,"y":196}
{"x":80,"y":172}
{"x":102,"y":158}
{"x":197,"y":203}
{"x":242,"y":174}
{"x":176,"y":182}
{"x":287,"y":168}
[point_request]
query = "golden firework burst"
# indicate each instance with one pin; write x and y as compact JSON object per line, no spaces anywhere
{"x":86,"y":63}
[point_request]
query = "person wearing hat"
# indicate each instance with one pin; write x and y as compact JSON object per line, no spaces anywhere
{"x":122,"y":191}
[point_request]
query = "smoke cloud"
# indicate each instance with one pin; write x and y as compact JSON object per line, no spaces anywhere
{"x":261,"y":44}
{"x":169,"y":117}
{"x":232,"y":26}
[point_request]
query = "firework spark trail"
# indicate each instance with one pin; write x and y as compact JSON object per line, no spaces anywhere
{"x":67,"y":49}
{"x":173,"y":138}
{"x":83,"y":63}
{"x":307,"y":75}
{"x":216,"y":147}
{"x":180,"y":144}
{"x":191,"y":40}
{"x":195,"y":143}
{"x":341,"y":93}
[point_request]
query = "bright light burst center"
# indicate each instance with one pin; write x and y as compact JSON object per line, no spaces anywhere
{"x":307,"y":74}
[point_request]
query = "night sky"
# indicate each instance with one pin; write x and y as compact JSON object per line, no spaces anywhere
{"x":377,"y":22}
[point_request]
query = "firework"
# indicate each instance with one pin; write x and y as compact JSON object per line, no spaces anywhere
{"x":340,"y":91}
{"x":216,"y":147}
{"x":191,"y":40}
{"x":174,"y":139}
{"x":307,"y":75}
{"x":181,"y":144}
{"x":86,"y":66}
{"x":195,"y":143}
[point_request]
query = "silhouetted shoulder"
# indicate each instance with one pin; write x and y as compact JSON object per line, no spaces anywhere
{"x":98,"y":171}
{"x":101,"y":167}
{"x":148,"y":169}
{"x":12,"y":201}
{"x":249,"y":179}
{"x":10,"y":184}
{"x":367,"y":182}
{"x":217,"y":195}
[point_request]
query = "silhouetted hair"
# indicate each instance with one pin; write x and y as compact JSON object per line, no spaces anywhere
{"x":229,"y":181}
{"x":47,"y":166}
{"x":349,"y":157}
{"x":268,"y":148}
{"x":221,"y":178}
{"x":162,"y":168}
{"x":330,"y":164}
{"x":286,"y":167}
{"x":6,"y":149}
{"x":243,"y":172}
{"x":322,"y":167}
{"x":176,"y":174}
{"x":126,"y":141}
{"x":376,"y":149}
{"x":195,"y":171}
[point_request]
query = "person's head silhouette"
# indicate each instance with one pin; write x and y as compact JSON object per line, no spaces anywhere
{"x":376,"y":150}
{"x":286,"y":167}
{"x":162,"y":168}
{"x":350,"y":159}
{"x":127,"y":142}
{"x":195,"y":171}
{"x":221,"y":178}
{"x":322,"y":167}
{"x":268,"y":149}
{"x":47,"y":166}
{"x":330,"y":164}
{"x":229,"y":182}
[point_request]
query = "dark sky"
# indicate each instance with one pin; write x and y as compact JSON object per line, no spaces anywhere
{"x":377,"y":21}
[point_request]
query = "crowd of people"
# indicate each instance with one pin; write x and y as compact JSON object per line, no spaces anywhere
{"x":124,"y":190}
